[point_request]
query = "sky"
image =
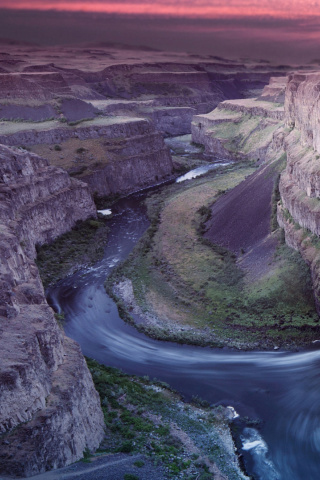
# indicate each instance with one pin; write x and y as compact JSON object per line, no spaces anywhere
{"x":198,"y":8}
{"x":281,"y":30}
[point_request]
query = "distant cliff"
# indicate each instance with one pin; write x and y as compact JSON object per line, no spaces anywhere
{"x":117,"y":154}
{"x":49,"y":410}
{"x":240,"y":129}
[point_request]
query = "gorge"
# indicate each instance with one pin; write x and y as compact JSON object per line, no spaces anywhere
{"x":70,"y":133}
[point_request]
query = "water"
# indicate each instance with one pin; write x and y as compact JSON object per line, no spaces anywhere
{"x":280,"y":388}
{"x":201,"y":171}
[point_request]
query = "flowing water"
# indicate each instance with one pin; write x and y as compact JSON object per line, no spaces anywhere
{"x":280,"y":388}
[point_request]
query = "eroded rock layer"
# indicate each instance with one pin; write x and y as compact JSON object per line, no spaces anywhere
{"x":112,"y":155}
{"x":240,"y":129}
{"x":49,"y":409}
{"x":299,"y":209}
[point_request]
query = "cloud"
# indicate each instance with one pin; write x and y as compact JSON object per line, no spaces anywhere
{"x":184,"y":8}
{"x":279,"y":38}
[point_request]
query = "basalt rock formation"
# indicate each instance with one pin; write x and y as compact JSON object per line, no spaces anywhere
{"x":112,"y":155}
{"x":49,"y":410}
{"x":115,"y":106}
{"x":275,"y":90}
{"x":299,"y":209}
{"x":240,"y":129}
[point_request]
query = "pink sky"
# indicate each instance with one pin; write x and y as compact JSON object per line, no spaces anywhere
{"x":198,"y":8}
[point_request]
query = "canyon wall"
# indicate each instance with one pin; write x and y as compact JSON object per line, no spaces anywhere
{"x":240,"y":129}
{"x":128,"y":152}
{"x":299,"y":209}
{"x":49,"y":410}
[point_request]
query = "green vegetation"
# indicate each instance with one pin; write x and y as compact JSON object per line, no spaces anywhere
{"x":280,"y":166}
{"x":82,"y":245}
{"x":197,"y":290}
{"x":86,"y":456}
{"x":243,"y":133}
{"x":146,"y":417}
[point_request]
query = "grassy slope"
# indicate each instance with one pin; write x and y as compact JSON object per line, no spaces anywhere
{"x":186,"y":282}
{"x":246,"y":134}
{"x":78,"y":157}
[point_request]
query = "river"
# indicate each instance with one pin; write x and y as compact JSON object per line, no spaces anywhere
{"x":282,"y":389}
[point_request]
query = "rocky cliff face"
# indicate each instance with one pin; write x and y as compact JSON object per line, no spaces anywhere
{"x":275,"y":90}
{"x":299,"y":209}
{"x":128,"y":152}
{"x":302,"y":107}
{"x":49,"y":410}
{"x":239,"y":129}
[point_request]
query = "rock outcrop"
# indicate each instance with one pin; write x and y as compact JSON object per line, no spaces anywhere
{"x":275,"y":90}
{"x":299,"y":209}
{"x":240,"y":129}
{"x":117,"y":154}
{"x":49,"y":410}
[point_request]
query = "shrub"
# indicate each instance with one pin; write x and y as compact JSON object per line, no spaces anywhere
{"x":57,"y":148}
{"x":130,"y":476}
{"x":126,"y":447}
{"x":80,"y":150}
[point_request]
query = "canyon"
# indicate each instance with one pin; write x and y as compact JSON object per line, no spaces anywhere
{"x":78,"y":123}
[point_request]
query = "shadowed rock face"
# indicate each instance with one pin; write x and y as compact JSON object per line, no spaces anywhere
{"x":49,"y":409}
{"x":299,"y":210}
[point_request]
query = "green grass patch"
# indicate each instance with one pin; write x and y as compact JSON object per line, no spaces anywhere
{"x":177,"y":274}
{"x":82,"y":245}
{"x":139,"y":417}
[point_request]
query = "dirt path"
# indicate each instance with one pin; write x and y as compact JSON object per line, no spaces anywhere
{"x":107,"y":467}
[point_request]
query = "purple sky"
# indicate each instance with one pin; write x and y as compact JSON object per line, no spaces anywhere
{"x":284,"y":31}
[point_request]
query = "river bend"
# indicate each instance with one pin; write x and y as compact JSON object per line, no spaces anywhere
{"x":280,"y":388}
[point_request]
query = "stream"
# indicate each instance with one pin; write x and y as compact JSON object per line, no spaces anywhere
{"x":282,"y":389}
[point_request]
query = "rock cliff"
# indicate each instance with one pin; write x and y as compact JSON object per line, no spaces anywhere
{"x":117,"y":154}
{"x":275,"y":90}
{"x":299,"y":209}
{"x":239,"y":129}
{"x":49,"y":409}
